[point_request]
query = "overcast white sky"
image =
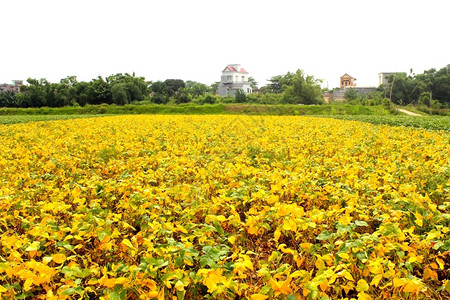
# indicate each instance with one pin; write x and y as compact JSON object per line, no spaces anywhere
{"x":195,"y":40}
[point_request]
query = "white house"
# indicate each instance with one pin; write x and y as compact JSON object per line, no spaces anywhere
{"x":383,"y":77}
{"x":234,"y":78}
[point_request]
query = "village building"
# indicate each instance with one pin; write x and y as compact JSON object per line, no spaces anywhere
{"x":347,"y":81}
{"x":15,"y":87}
{"x":234,"y":78}
{"x":383,"y":77}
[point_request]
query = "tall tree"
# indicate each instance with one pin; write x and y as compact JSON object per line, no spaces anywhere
{"x":253,"y":83}
{"x":299,"y":88}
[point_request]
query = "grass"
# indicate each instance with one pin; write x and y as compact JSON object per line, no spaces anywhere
{"x":189,"y":109}
{"x":13,"y":119}
{"x":426,"y":122}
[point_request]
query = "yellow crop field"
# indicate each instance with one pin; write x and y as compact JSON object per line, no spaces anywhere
{"x":223,"y":207}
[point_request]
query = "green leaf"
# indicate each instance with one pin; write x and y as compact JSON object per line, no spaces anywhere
{"x":206,"y":261}
{"x":438,"y":245}
{"x":324,"y":235}
{"x":218,"y":227}
{"x":266,"y":289}
{"x":361,"y":223}
{"x":68,"y":291}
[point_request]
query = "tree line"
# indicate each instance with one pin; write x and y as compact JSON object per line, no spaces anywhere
{"x":431,"y":87}
{"x":290,"y":88}
{"x":418,"y":89}
{"x":121,"y":89}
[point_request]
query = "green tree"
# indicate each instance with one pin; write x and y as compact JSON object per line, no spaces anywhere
{"x":214,"y":87}
{"x":136,"y":88}
{"x":65,"y":92}
{"x":159,"y":92}
{"x":173,"y":86}
{"x":119,"y":95}
{"x":351,"y":94}
{"x":183,"y":96}
{"x":35,"y":93}
{"x":196,"y":88}
{"x":240,"y":96}
{"x":100,"y":91}
{"x":275,"y":86}
{"x":299,"y":88}
{"x":8,"y":99}
{"x":253,"y":83}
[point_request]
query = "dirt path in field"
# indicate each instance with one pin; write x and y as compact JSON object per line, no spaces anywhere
{"x":408,"y":112}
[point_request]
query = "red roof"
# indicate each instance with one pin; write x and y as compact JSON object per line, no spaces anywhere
{"x":232,"y":69}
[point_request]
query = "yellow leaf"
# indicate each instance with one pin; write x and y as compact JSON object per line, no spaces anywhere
{"x":220,"y":218}
{"x":412,"y":259}
{"x":376,"y":280}
{"x":277,"y":234}
{"x":258,"y":297}
{"x":47,"y":259}
{"x":297,"y":273}
{"x":306,"y":246}
{"x":419,"y":219}
{"x":428,"y":273}
{"x":364,"y":296}
{"x":283,"y":249}
{"x":412,"y":287}
{"x":441,"y":263}
{"x":121,"y":280}
{"x":347,"y":275}
{"x":376,"y":268}
{"x":128,"y":243}
{"x":344,"y":255}
{"x":434,"y":265}
{"x":320,"y":264}
{"x":28,"y":283}
{"x":345,"y":220}
{"x":362,"y":286}
{"x":161,"y":294}
{"x":323,"y":285}
{"x":213,"y":278}
{"x":399,"y":282}
{"x":272,"y":199}
{"x":179,"y":286}
{"x":59,"y":258}
{"x":33,"y":247}
{"x":232,"y":239}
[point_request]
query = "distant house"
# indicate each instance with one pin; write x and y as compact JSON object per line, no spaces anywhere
{"x":383,"y":77}
{"x":234,"y":78}
{"x":347,"y":81}
{"x":15,"y":87}
{"x":340,"y":94}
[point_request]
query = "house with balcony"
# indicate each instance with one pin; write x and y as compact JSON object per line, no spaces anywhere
{"x":347,"y":81}
{"x":234,"y":78}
